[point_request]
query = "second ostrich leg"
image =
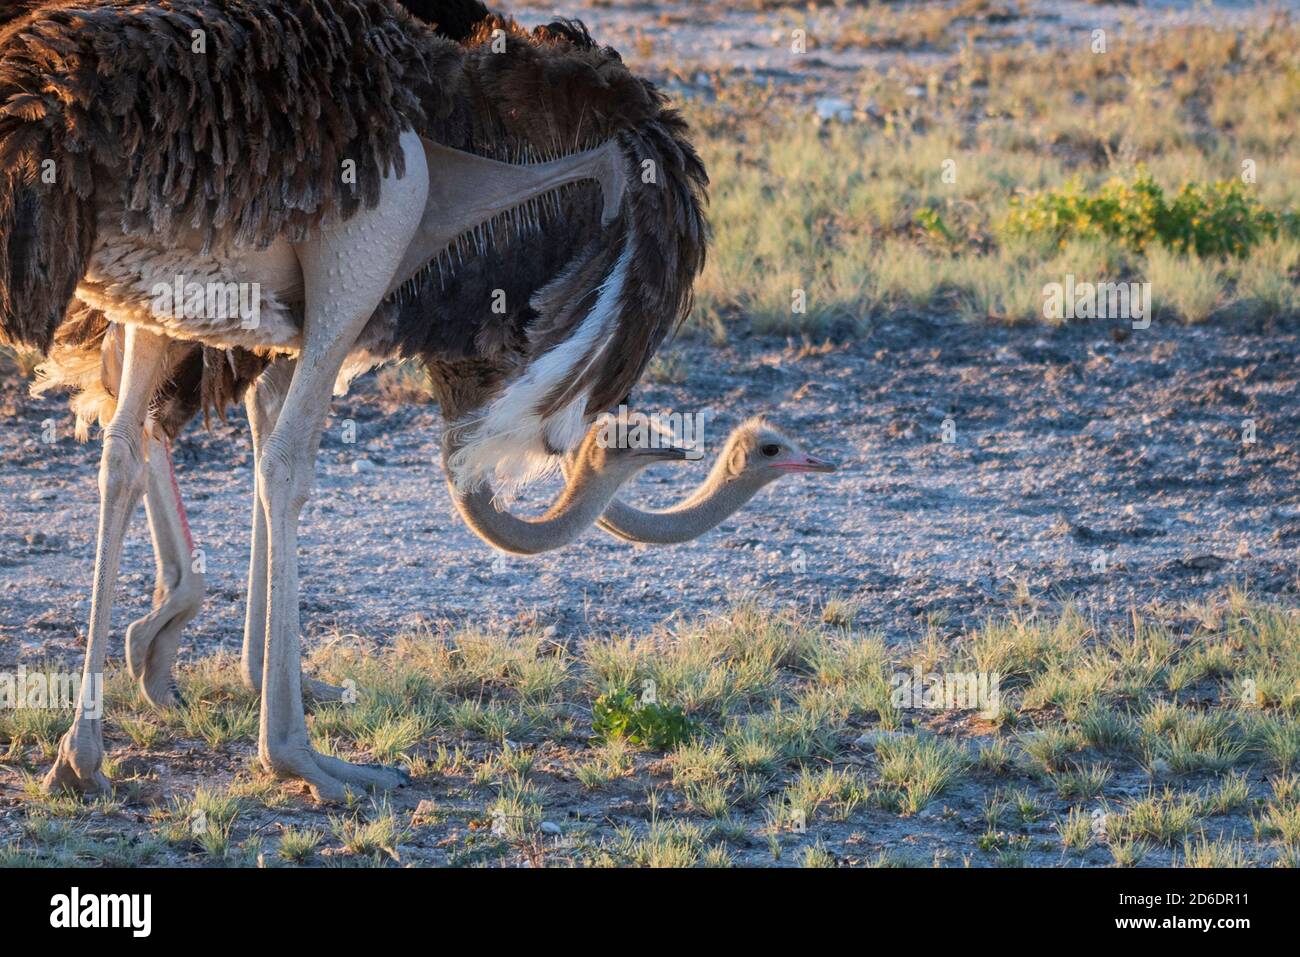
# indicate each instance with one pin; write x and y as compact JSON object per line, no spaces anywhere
{"x":152,"y":641}
{"x":121,"y":480}
{"x":263,"y":401}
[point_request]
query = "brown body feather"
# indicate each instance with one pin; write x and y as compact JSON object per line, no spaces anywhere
{"x":244,"y":139}
{"x":552,"y":92}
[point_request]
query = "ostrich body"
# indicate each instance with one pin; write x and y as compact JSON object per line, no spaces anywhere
{"x":471,"y":171}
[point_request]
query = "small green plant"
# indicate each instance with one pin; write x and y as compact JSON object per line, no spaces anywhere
{"x":995,"y":757}
{"x":1025,"y":805}
{"x":919,"y":768}
{"x":1075,"y":829}
{"x":298,"y":846}
{"x":1164,"y":818}
{"x":936,"y":230}
{"x":1214,"y":854}
{"x":373,"y":838}
{"x":620,"y":715}
{"x":1127,"y":852}
{"x":818,"y":856}
{"x":1084,"y":781}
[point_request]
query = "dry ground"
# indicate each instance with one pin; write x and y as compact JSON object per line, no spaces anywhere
{"x":1111,"y":473}
{"x":1148,"y":708}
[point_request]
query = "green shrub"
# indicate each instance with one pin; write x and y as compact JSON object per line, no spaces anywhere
{"x":1214,"y":219}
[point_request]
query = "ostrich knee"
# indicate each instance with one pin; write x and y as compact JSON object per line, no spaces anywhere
{"x":181,"y":600}
{"x":282,"y":482}
{"x":152,"y":641}
{"x":175,"y":601}
{"x":121,"y":465}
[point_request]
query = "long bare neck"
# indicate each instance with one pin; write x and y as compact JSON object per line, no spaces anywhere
{"x":587,"y":493}
{"x":713,"y":500}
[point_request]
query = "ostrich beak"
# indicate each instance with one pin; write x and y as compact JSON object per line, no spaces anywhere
{"x":671,"y":453}
{"x":806,"y":463}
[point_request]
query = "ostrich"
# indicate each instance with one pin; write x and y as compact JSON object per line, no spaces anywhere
{"x":475,"y":172}
{"x":449,"y":148}
{"x":582,"y":89}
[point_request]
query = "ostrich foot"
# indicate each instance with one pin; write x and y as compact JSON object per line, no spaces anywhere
{"x":330,"y":779}
{"x":152,"y":643}
{"x":372,"y":777}
{"x":77,"y":766}
{"x":315,"y":691}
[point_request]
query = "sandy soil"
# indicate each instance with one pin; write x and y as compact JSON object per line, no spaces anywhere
{"x":1068,"y":442}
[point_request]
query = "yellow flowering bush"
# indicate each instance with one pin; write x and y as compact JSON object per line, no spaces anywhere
{"x":1208,"y":219}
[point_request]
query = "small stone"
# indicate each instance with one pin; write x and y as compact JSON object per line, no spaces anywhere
{"x":133,"y":767}
{"x":873,"y":738}
{"x":833,"y":108}
{"x":550,"y":827}
{"x":362,"y":465}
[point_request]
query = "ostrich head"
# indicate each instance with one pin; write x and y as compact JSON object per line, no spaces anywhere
{"x":757,"y":453}
{"x":537,"y":321}
{"x":620,"y":462}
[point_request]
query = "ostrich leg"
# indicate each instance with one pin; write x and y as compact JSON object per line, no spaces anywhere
{"x":346,"y":271}
{"x":152,"y":641}
{"x":121,"y":481}
{"x":263,"y":401}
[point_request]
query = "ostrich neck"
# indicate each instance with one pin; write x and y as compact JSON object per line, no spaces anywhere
{"x":709,"y":505}
{"x":586,"y":495}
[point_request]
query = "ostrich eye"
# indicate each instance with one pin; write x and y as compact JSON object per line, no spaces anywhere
{"x":770,"y":449}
